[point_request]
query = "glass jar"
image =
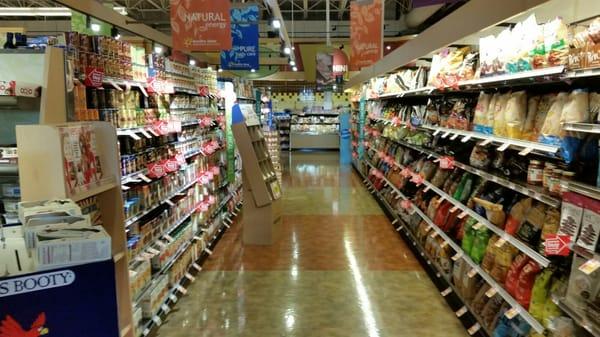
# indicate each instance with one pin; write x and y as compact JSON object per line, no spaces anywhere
{"x":548,"y":168}
{"x":555,"y":182}
{"x":535,"y":172}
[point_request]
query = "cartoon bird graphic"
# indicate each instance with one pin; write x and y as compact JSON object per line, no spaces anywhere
{"x":9,"y":327}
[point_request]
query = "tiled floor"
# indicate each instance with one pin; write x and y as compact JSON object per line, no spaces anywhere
{"x":339,"y":269}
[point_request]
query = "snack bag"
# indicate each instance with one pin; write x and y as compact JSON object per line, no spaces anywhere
{"x":499,"y":115}
{"x":576,"y":109}
{"x":469,"y":236}
{"x":540,"y":293}
{"x":525,"y":283}
{"x":513,"y":273}
{"x":490,"y":254}
{"x":516,"y":114}
{"x":480,"y":121}
{"x":505,"y":254}
{"x":480,"y":241}
{"x":543,"y":107}
{"x":532,"y":109}
{"x":555,"y":41}
{"x":517,"y":215}
{"x":550,"y":131}
{"x":488,"y":51}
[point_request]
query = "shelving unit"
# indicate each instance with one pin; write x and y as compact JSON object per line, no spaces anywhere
{"x":315,"y":131}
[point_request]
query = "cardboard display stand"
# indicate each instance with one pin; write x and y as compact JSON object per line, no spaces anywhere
{"x":262,"y":192}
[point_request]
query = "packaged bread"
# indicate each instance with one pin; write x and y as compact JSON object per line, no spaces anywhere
{"x":480,"y":120}
{"x":551,"y":127}
{"x":499,"y":115}
{"x":532,"y":109}
{"x":516,"y":114}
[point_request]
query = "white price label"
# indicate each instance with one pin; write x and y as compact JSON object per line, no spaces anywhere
{"x":465,"y":138}
{"x":477,"y":226}
{"x":125,"y":187}
{"x":485,"y":142}
{"x":454,"y":136}
{"x":226,"y":225}
{"x":590,"y":266}
{"x":144,"y":178}
{"x":169,"y":238}
{"x":173,"y":298}
{"x":446,"y":292}
{"x":472,"y":273}
{"x":398,"y":228}
{"x":427,"y":188}
{"x":197,"y":238}
{"x":133,"y":135}
{"x":394,"y":222}
{"x":503,"y":147}
{"x":500,"y":243}
{"x":153,"y":133}
{"x":169,"y":202}
{"x":145,"y":133}
{"x":190,"y":277}
{"x":196,"y":266}
{"x":436,"y":132}
{"x":153,"y":251}
{"x":157,"y":320}
{"x":453,"y":209}
{"x":165,"y":308}
{"x":444,"y":244}
{"x":510,"y":314}
{"x":208,"y":251}
{"x":434,"y":234}
{"x":472,"y":330}
{"x":461,"y":311}
{"x":525,"y":151}
{"x":491,"y":292}
{"x":181,"y":289}
{"x":457,"y":256}
{"x":161,"y":244}
{"x":446,"y":134}
{"x":146,"y":332}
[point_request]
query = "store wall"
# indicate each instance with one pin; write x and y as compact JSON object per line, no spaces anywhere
{"x":282,"y":101}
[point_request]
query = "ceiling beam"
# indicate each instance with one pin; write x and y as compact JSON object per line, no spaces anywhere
{"x":305,"y":10}
{"x":472,"y":17}
{"x":342,"y":9}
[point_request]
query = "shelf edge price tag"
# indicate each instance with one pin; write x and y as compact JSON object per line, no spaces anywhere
{"x":190,"y":277}
{"x":446,"y":292}
{"x":503,"y":147}
{"x":444,"y":244}
{"x":472,"y":330}
{"x":457,"y":256}
{"x":181,"y":289}
{"x":165,"y":308}
{"x":434,"y":234}
{"x":454,"y":136}
{"x":510,"y":314}
{"x":525,"y":151}
{"x":453,"y":209}
{"x":173,"y":298}
{"x":196,"y":266}
{"x":590,"y":266}
{"x":461,"y":311}
{"x":491,"y":292}
{"x":466,"y":138}
{"x":145,"y":332}
{"x":472,"y":273}
{"x":446,"y":134}
{"x":169,"y":238}
{"x":485,"y":142}
{"x":208,"y":251}
{"x":157,"y":320}
{"x":145,"y":133}
{"x":133,"y":135}
{"x":144,"y":177}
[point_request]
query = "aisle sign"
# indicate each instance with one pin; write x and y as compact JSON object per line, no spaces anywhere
{"x":93,"y":77}
{"x":201,"y":25}
{"x":68,"y":302}
{"x":557,"y":244}
{"x":366,"y":33}
{"x":244,"y":35}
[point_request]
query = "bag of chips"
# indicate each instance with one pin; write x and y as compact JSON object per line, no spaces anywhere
{"x":540,"y":293}
{"x":480,"y":121}
{"x":525,"y":283}
{"x":513,"y":273}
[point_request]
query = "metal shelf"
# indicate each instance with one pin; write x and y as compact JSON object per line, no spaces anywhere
{"x":580,"y":320}
{"x":530,"y":191}
{"x":490,"y":280}
{"x":582,"y":127}
{"x":542,"y":260}
{"x":581,"y":188}
{"x":520,"y":144}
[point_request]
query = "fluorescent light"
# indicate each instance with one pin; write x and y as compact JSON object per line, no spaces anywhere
{"x":388,"y":47}
{"x":295,"y":68}
{"x":287,"y":50}
{"x":121,"y":10}
{"x":192,"y":62}
{"x":292,"y":63}
{"x":276,"y":24}
{"x":35,"y":11}
{"x":95,"y":27}
{"x":158,"y":49}
{"x":118,"y":37}
{"x":252,"y":70}
{"x":334,"y":87}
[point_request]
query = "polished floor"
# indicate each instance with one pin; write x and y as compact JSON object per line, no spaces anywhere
{"x":338,"y":269}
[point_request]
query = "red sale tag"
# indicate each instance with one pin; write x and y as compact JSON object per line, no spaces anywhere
{"x":94,"y":77}
{"x":417,"y":179}
{"x":203,"y":179}
{"x":203,"y":90}
{"x":180,"y":159}
{"x":556,"y":244}
{"x":447,"y":163}
{"x":204,"y":207}
{"x":161,"y":127}
{"x":406,"y":172}
{"x":171,"y":165}
{"x":156,"y":170}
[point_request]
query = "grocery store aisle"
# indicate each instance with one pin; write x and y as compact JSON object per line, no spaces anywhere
{"x":339,"y":269}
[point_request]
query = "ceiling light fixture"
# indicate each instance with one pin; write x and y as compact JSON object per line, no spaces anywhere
{"x":287,"y":50}
{"x":295,"y":68}
{"x":252,"y":70}
{"x":158,"y":49}
{"x":275,"y":23}
{"x":95,"y":27}
{"x":121,"y":10}
{"x":220,"y":70}
{"x":388,"y":47}
{"x":292,"y":63}
{"x":192,"y":62}
{"x":35,"y":11}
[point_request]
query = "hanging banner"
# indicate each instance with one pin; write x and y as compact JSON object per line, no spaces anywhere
{"x":366,"y":33}
{"x":324,"y":69}
{"x":201,"y":25}
{"x":244,"y":35}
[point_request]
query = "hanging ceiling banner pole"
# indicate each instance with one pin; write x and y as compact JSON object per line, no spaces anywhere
{"x":327,"y":23}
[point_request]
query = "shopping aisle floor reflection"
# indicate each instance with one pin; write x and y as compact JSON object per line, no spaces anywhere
{"x":339,"y":269}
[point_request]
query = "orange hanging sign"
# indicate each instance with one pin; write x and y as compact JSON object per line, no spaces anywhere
{"x":201,"y":25}
{"x":366,"y":33}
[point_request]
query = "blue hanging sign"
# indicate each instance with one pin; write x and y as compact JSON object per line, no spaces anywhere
{"x":244,"y":33}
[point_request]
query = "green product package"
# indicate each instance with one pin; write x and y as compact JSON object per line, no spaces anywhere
{"x":539,"y":294}
{"x":468,"y":238}
{"x":460,"y":187}
{"x":551,"y":310}
{"x":482,"y":236}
